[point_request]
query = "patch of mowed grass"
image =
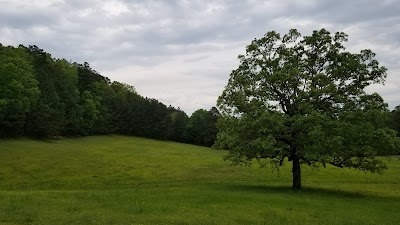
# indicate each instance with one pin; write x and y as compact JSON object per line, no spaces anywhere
{"x":127,"y":180}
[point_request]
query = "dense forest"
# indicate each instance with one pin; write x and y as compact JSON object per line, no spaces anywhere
{"x":44,"y":97}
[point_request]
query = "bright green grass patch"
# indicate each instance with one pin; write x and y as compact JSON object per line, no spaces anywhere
{"x":126,"y":180}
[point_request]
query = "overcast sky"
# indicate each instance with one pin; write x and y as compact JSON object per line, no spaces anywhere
{"x":182,"y":52}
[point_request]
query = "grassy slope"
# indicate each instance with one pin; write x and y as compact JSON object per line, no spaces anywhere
{"x":125,"y":180}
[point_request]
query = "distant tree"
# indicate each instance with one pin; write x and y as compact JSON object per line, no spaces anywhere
{"x":120,"y":111}
{"x":89,"y":112}
{"x":304,"y":99}
{"x":47,"y":117}
{"x":18,"y":90}
{"x":66,"y":81}
{"x":395,"y":119}
{"x":158,"y":120}
{"x":178,"y":123}
{"x":87,"y":77}
{"x":100,"y":91}
{"x":202,"y":127}
{"x":211,"y":131}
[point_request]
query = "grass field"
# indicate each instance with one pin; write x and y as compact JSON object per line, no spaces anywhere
{"x":126,"y":180}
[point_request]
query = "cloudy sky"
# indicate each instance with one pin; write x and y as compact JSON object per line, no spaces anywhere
{"x":181,"y":52}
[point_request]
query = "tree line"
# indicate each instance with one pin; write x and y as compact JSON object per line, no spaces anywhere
{"x":44,"y":97}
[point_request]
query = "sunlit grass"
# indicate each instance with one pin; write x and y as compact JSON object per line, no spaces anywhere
{"x":126,"y":180}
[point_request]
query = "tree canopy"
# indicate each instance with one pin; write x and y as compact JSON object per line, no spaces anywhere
{"x":19,"y":89}
{"x":304,"y":99}
{"x":202,"y":128}
{"x":395,"y":119}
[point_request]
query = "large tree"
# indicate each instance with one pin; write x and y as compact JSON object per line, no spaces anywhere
{"x":303,"y":99}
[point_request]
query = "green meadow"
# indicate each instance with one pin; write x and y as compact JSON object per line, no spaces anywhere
{"x":128,"y":180}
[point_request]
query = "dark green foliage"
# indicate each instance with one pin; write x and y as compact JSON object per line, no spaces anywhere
{"x":45,"y":97}
{"x":87,"y":77}
{"x":304,"y":99}
{"x":70,"y":96}
{"x":18,"y":90}
{"x":178,"y":120}
{"x":202,"y":127}
{"x":48,"y":116}
{"x":395,"y":119}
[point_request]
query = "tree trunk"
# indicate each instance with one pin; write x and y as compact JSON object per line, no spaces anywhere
{"x":296,"y":173}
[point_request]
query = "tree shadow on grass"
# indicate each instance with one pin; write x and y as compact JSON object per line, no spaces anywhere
{"x":307,"y":191}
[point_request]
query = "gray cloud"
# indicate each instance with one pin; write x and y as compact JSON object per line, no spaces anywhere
{"x":181,"y":52}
